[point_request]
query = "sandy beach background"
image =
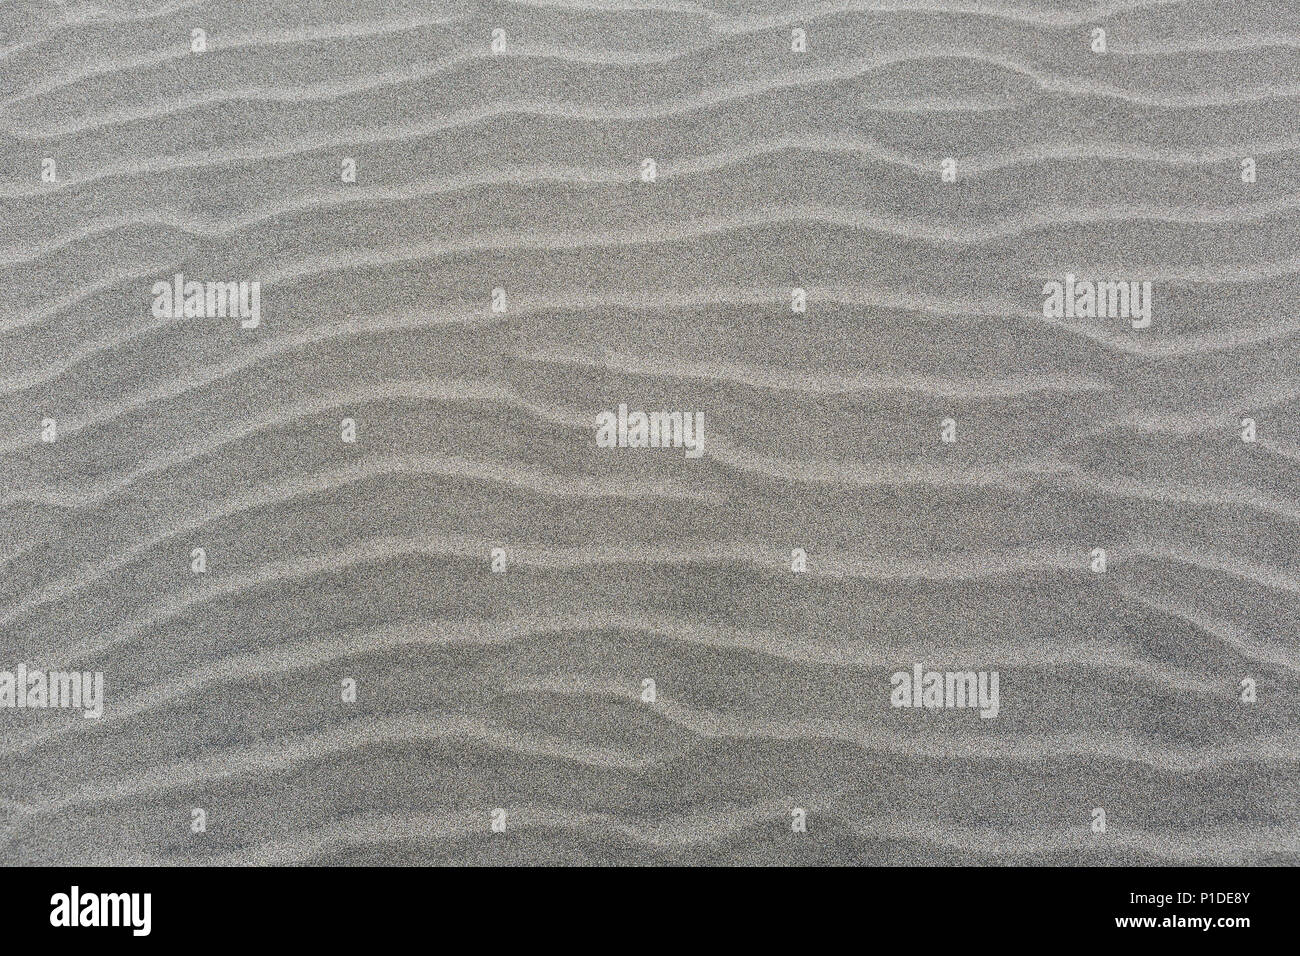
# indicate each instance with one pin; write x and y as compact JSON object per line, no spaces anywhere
{"x":522,"y":691}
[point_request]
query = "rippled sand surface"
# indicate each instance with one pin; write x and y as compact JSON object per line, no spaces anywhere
{"x":524,"y":691}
